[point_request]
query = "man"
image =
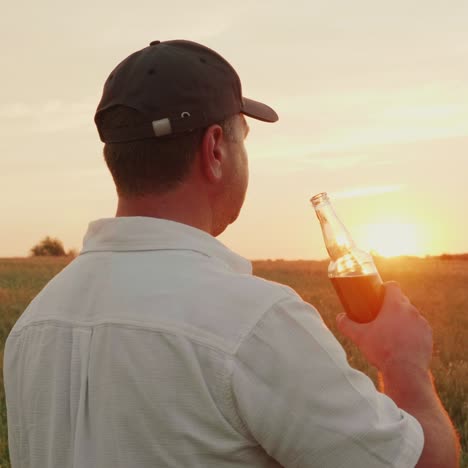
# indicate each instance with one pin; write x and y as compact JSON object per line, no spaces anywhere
{"x":158,"y":347}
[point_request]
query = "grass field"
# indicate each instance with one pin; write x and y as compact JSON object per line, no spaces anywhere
{"x":439,"y":288}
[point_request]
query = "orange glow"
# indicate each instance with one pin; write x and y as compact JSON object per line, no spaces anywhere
{"x":393,"y":237}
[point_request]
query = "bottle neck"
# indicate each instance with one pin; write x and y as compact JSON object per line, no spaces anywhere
{"x":336,"y":237}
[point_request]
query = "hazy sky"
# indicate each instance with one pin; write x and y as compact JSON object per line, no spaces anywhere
{"x":372,"y":98}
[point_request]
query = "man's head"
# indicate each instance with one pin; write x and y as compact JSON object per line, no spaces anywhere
{"x":172,"y":120}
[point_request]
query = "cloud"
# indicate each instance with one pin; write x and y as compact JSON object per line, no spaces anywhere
{"x":53,"y":115}
{"x":366,"y":191}
{"x":15,"y":110}
{"x":333,"y":163}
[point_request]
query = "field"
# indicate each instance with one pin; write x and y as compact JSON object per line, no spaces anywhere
{"x":438,"y":287}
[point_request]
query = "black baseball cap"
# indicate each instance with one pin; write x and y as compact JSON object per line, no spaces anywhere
{"x":180,"y":86}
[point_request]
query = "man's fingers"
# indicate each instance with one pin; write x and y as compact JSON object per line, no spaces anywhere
{"x":392,"y":288}
{"x":394,"y":297}
{"x":393,"y":293}
{"x":349,"y":328}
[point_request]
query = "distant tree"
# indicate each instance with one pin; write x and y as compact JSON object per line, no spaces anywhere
{"x":73,"y":253}
{"x":463,"y":256}
{"x":48,"y":247}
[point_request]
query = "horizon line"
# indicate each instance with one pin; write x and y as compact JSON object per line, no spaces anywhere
{"x":279,"y":259}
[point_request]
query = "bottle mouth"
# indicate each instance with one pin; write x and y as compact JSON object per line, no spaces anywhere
{"x":321,"y":197}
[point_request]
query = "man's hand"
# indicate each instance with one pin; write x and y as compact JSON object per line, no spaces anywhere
{"x":398,"y":335}
{"x":399,"y":343}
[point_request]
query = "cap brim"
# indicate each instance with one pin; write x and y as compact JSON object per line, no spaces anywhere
{"x":258,"y":110}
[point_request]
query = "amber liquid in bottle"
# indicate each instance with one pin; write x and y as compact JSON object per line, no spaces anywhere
{"x":359,"y":295}
{"x":352,"y":271}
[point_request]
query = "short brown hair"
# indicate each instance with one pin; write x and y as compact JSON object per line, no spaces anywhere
{"x":152,"y":166}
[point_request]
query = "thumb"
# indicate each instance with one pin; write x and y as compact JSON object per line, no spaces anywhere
{"x":349,"y":328}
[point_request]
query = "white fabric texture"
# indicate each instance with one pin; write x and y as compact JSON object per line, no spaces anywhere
{"x":157,"y":347}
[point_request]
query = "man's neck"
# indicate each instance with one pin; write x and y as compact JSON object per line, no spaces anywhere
{"x":186,"y":210}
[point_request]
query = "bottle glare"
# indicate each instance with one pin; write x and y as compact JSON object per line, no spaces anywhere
{"x":352,"y":271}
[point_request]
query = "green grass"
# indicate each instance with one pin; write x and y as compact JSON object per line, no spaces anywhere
{"x":437,"y":287}
{"x":20,"y":280}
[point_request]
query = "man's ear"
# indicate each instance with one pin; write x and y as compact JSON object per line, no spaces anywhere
{"x":212,"y":152}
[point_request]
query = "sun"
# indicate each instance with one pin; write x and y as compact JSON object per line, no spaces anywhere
{"x":393,"y":237}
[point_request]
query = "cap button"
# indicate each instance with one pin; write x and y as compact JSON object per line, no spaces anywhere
{"x":155,"y":43}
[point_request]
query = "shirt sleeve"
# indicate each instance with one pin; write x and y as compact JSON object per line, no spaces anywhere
{"x":299,"y":398}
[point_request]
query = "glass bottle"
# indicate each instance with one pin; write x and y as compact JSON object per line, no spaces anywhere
{"x":352,"y":271}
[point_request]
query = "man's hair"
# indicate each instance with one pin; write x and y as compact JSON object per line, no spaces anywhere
{"x":152,"y":166}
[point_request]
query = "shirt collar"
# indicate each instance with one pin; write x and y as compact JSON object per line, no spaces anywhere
{"x":137,"y":233}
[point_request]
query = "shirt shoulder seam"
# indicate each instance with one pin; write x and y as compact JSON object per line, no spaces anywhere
{"x":230,"y":358}
{"x":128,"y":325}
{"x":258,"y":323}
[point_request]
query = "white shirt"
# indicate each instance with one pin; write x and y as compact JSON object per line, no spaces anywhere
{"x":157,"y":347}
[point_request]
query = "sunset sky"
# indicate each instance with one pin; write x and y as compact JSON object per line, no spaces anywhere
{"x":372,"y":98}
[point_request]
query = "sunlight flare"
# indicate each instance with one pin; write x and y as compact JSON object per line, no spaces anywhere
{"x":393,"y":237}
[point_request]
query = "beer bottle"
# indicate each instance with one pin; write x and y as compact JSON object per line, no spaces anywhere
{"x":352,"y":271}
